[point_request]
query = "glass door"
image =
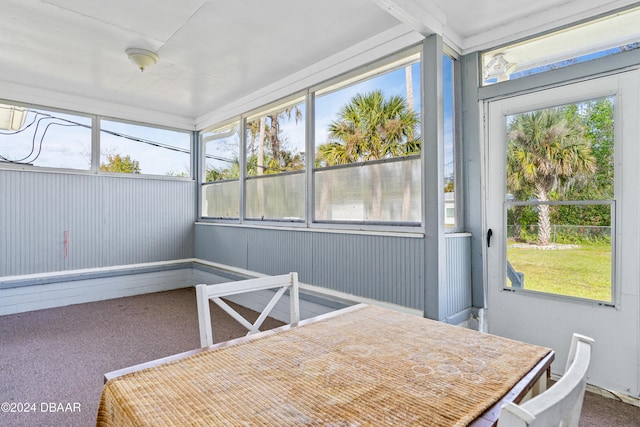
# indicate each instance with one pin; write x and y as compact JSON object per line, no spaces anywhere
{"x":560,"y":215}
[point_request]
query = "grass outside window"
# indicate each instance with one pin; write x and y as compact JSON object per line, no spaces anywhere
{"x":582,"y":270}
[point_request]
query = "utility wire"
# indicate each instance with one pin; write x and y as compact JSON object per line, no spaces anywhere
{"x":37,"y":113}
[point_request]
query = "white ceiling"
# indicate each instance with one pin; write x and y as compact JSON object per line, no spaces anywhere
{"x":214,"y":53}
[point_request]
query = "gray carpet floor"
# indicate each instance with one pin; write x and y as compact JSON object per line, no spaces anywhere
{"x":53,"y":360}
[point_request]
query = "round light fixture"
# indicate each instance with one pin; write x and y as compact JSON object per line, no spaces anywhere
{"x":142,"y":58}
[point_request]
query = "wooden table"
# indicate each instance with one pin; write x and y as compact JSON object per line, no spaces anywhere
{"x":360,"y":366}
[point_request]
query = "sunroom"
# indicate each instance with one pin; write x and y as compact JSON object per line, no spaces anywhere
{"x":473,"y":163}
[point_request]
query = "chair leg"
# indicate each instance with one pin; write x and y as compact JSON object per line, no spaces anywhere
{"x":204,"y":316}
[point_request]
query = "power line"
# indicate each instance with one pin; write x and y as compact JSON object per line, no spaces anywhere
{"x":68,"y":122}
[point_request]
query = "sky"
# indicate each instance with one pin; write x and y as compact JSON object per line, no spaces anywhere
{"x":43,"y":140}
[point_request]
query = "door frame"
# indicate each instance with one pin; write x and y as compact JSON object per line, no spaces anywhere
{"x":546,"y":319}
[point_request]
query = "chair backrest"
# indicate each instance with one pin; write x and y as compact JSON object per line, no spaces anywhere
{"x":560,"y":404}
{"x":214,"y":292}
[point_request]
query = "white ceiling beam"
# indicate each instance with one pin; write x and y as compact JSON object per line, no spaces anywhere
{"x":424,"y":17}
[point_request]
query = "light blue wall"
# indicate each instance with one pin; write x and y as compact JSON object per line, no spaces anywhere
{"x":109,"y":220}
{"x":387,"y":268}
{"x":372,"y":266}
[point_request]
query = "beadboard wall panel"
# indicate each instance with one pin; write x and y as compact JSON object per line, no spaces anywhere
{"x":384,"y":268}
{"x":388,"y":268}
{"x":379,"y":267}
{"x":458,"y":293}
{"x":62,"y":221}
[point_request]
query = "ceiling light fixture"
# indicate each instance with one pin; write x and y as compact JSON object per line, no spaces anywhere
{"x":141,"y":57}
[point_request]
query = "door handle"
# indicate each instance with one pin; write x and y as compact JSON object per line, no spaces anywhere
{"x":489,"y":234}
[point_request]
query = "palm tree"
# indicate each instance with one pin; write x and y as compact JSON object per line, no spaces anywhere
{"x":267,"y":152}
{"x":232,"y":171}
{"x":547,"y":152}
{"x":268,"y":144}
{"x":372,"y":127}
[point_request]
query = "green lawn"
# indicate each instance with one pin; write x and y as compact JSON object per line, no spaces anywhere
{"x":584,"y":272}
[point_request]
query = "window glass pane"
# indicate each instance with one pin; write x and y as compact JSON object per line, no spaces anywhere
{"x":378,"y":118}
{"x":222,"y":167}
{"x":584,"y":42}
{"x":276,"y":144}
{"x":374,"y":120}
{"x":221,"y":199}
{"x":222,"y":153}
{"x":560,"y":188}
{"x":276,"y":141}
{"x":138,"y":149}
{"x":37,"y":137}
{"x":380,"y":192}
{"x":276,"y":196}
{"x":576,"y":262}
{"x":562,"y":153}
{"x":449,"y":144}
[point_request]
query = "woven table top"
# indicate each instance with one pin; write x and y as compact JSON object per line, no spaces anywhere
{"x":368,"y":367}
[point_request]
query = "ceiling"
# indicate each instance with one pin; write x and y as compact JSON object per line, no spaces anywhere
{"x":213,"y":53}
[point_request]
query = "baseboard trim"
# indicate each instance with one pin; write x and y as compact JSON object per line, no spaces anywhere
{"x":32,"y":292}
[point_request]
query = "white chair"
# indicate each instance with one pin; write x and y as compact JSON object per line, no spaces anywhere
{"x":560,"y":404}
{"x":204,"y":293}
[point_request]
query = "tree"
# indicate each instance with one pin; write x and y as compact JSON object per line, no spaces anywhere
{"x":181,"y":174}
{"x":232,"y":171}
{"x":372,"y":127}
{"x":119,"y":163}
{"x":547,"y":152}
{"x":268,"y":153}
{"x":598,"y":120}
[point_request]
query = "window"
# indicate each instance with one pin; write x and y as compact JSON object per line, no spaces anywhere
{"x":368,"y":145}
{"x":275,"y":149}
{"x":560,"y":201}
{"x":41,"y":137}
{"x":601,"y":37}
{"x":139,"y":149}
{"x":362,"y":166}
{"x":449,"y":189}
{"x":44,"y":138}
{"x":221,"y":191}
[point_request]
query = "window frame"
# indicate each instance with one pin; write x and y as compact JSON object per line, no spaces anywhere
{"x":24,"y":166}
{"x":544,"y":66}
{"x":375,"y":69}
{"x":98,"y":155}
{"x":383,"y":65}
{"x":95,"y":145}
{"x":202,"y":165}
{"x":458,"y":164}
{"x":294,"y":99}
